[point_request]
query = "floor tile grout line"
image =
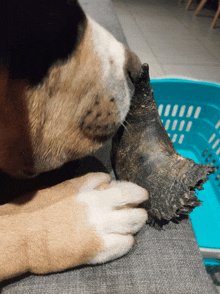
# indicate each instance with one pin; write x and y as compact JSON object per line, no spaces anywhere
{"x":201,"y":43}
{"x":193,"y":30}
{"x":192,"y":35}
{"x":133,"y":18}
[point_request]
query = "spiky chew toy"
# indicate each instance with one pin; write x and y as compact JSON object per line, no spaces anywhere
{"x":143,"y":153}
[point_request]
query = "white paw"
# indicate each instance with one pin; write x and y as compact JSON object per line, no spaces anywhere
{"x":113,"y":214}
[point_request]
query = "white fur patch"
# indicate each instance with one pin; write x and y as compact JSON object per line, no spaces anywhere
{"x":113,"y":214}
{"x":112,"y":56}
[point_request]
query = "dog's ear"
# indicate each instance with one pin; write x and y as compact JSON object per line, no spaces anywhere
{"x":15,"y":146}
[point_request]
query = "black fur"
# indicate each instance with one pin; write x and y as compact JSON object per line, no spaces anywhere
{"x":36,"y":33}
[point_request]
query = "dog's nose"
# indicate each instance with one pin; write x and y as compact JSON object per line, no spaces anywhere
{"x":132,"y":67}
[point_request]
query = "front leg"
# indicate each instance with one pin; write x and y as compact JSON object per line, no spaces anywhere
{"x":86,"y":220}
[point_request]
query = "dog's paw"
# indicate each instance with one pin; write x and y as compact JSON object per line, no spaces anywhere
{"x":112,"y":210}
{"x":86,"y":220}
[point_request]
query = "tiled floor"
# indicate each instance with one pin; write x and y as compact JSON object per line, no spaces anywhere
{"x":169,"y":38}
{"x":173,"y":42}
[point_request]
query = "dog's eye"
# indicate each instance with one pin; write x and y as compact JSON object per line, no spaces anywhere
{"x":28,"y":173}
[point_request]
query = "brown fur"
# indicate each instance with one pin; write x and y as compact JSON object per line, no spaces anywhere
{"x":15,"y":147}
{"x":42,"y":234}
{"x":68,"y":116}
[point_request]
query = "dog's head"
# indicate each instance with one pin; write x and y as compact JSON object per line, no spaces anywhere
{"x":65,"y":94}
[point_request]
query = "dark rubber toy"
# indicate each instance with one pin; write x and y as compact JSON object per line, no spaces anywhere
{"x":144,"y":154}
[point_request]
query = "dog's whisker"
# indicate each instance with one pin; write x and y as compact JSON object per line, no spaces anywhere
{"x":125,"y":128}
{"x":127,"y":123}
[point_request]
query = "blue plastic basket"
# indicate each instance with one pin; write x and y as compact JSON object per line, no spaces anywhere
{"x":190,"y":112}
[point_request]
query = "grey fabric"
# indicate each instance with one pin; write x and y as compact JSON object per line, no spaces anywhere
{"x":162,"y":262}
{"x":214,"y":272}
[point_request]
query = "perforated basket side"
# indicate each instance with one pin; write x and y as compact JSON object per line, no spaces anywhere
{"x":190,"y":112}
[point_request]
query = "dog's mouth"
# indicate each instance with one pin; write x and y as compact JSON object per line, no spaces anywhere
{"x":99,"y":133}
{"x":101,"y":120}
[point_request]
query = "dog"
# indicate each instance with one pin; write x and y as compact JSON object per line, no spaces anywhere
{"x":65,"y":86}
